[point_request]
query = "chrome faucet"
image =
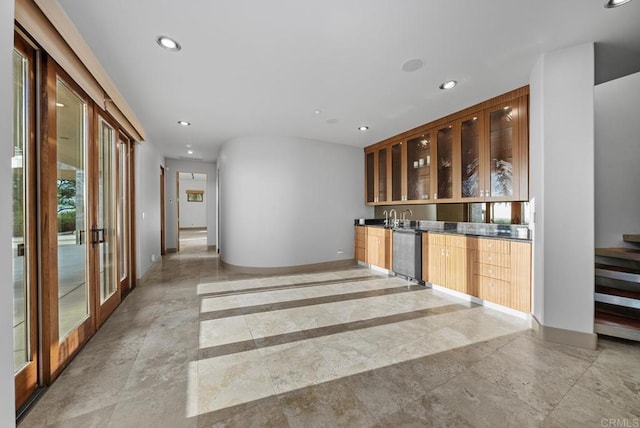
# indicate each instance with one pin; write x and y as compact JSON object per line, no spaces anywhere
{"x":395,"y":217}
{"x":405,"y":212}
{"x":386,"y":218}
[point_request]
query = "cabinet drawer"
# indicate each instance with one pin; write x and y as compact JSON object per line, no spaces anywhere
{"x":377,"y":231}
{"x":457,"y":241}
{"x":437,"y":239}
{"x":494,"y":259}
{"x":491,"y":271}
{"x":494,"y":290}
{"x":495,"y":246}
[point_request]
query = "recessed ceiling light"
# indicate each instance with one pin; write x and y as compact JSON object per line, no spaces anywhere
{"x":189,"y":152}
{"x":615,"y":3}
{"x":184,"y":123}
{"x":448,"y":84}
{"x":318,"y":111}
{"x":168,"y":43}
{"x":363,"y":128}
{"x":412,"y":65}
{"x":59,"y":105}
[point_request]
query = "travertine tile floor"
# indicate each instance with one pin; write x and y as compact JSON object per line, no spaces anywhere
{"x":199,"y":346}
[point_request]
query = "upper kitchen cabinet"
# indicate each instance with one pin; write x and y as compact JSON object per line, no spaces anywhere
{"x":370,"y":176}
{"x":507,"y":147}
{"x":472,"y":159}
{"x":418,"y":166}
{"x":376,"y":175}
{"x":398,"y":188}
{"x":480,"y":154}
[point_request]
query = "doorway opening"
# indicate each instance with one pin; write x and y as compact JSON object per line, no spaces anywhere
{"x":193,"y":202}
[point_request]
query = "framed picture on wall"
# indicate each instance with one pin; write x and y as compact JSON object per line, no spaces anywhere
{"x":195,"y":195}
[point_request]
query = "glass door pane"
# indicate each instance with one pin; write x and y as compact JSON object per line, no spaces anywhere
{"x":73,"y":292}
{"x":370,"y":166}
{"x":21,"y":345}
{"x":501,"y":137}
{"x":382,"y":175}
{"x":470,"y":141}
{"x":419,"y":167}
{"x":105,"y":233}
{"x":396,"y":172}
{"x":123,"y":209}
{"x":445,"y":163}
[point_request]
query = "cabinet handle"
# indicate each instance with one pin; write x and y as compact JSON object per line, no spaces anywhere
{"x":490,"y":244}
{"x":490,"y":258}
{"x":435,"y":196}
{"x":490,"y":271}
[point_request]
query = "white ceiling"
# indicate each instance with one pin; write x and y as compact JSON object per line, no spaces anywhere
{"x":252,"y":67}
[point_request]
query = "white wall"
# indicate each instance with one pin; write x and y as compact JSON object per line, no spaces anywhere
{"x":288,"y":201}
{"x":194,"y":214}
{"x":562,"y":186}
{"x":7,"y":403}
{"x":171,"y":207}
{"x":617,"y":156}
{"x":148,"y":162}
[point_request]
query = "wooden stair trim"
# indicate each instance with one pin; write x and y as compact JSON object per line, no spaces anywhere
{"x":619,"y":253}
{"x":632,"y":238}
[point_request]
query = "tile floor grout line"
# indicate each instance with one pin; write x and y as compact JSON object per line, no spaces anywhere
{"x":310,"y":334}
{"x":280,"y":287}
{"x":300,"y":303}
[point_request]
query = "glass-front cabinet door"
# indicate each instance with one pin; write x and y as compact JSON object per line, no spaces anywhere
{"x":418,"y":167}
{"x":445,"y":155}
{"x":382,"y":175}
{"x":471,"y":159}
{"x":507,"y":151}
{"x":370,"y":177}
{"x":397,"y":183}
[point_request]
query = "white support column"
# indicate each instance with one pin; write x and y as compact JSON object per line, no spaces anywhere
{"x":562,"y":187}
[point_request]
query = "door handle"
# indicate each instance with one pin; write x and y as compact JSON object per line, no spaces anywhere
{"x":97,"y":236}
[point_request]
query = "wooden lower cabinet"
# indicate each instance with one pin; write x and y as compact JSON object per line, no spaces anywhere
{"x":378,"y":247}
{"x":360,"y":239}
{"x":449,"y":260}
{"x":503,"y":273}
{"x":495,"y":270}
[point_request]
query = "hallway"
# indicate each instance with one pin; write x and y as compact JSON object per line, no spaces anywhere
{"x":199,"y":346}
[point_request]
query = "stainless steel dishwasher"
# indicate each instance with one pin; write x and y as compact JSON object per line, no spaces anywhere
{"x":407,"y":253}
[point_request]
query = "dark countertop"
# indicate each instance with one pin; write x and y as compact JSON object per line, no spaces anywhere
{"x":480,"y":230}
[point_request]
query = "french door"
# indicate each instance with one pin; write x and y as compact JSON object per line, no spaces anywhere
{"x":72,"y":218}
{"x":78,"y":188}
{"x":24,"y":243}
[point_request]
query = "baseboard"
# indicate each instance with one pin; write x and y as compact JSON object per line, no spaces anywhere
{"x":472,"y":299}
{"x":287,"y":270}
{"x":211,"y":248}
{"x":578,"y":339}
{"x":141,"y":281}
{"x":171,"y":250}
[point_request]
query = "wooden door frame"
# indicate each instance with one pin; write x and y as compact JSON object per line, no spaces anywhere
{"x":27,"y":379}
{"x":126,"y":284}
{"x":56,"y":354}
{"x":103,"y":310}
{"x":163,"y":236}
